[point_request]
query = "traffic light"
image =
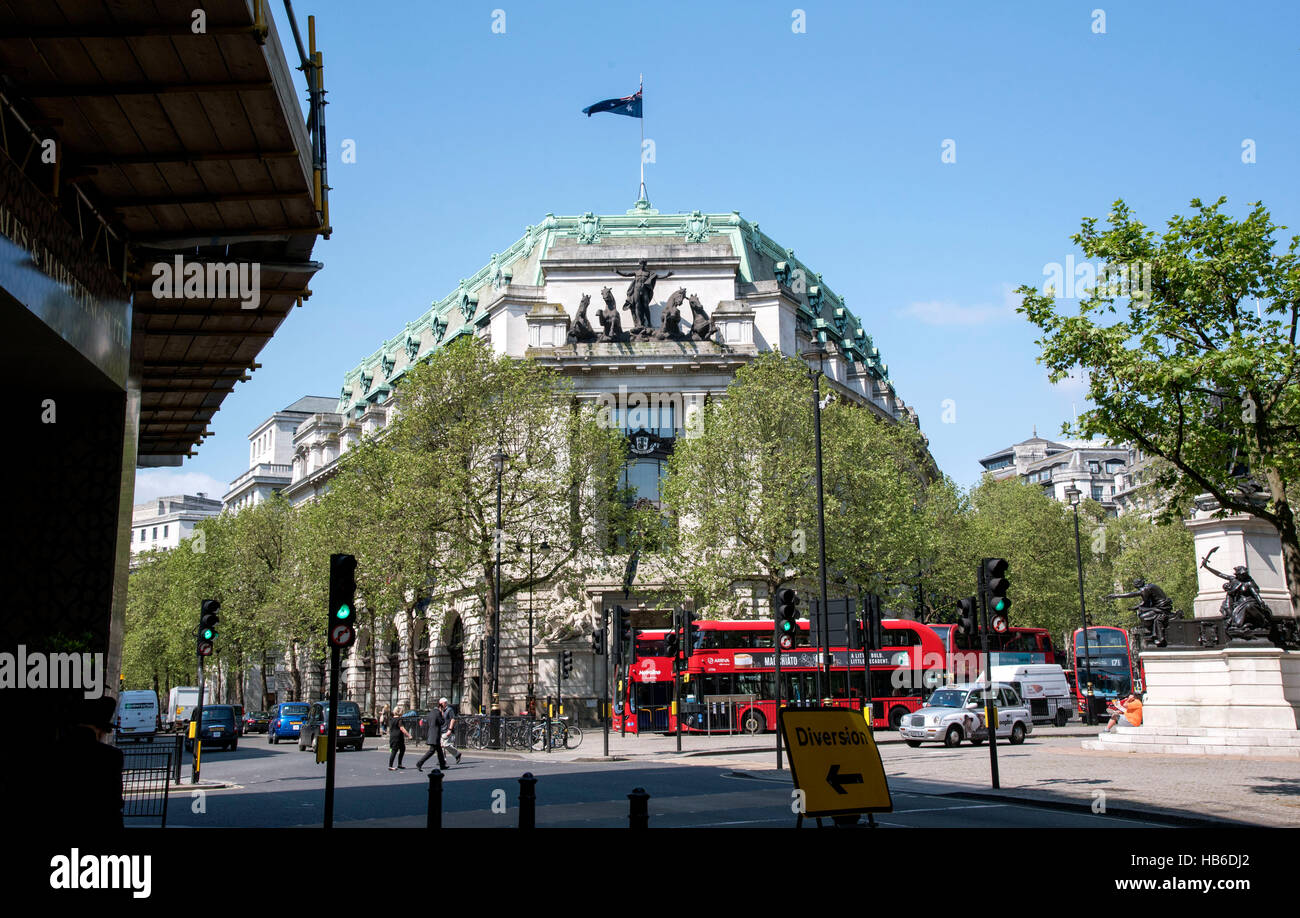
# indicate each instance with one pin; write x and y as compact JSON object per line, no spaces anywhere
{"x":874,"y":623}
{"x":689,"y":635}
{"x":995,"y":588}
{"x":671,"y":642}
{"x":623,"y":646}
{"x":566,"y":664}
{"x":208,"y":620}
{"x":598,"y":642}
{"x":343,"y":588}
{"x":787,"y":617}
{"x":968,"y":621}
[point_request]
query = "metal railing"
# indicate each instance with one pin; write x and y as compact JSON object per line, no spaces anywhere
{"x":148,"y":770}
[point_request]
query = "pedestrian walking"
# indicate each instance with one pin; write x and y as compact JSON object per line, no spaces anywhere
{"x":384,"y":717}
{"x":441,"y":724}
{"x":397,"y":735}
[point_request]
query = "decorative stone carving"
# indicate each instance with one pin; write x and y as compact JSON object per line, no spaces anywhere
{"x":439,"y":328}
{"x":640,"y":293}
{"x":386,"y":364}
{"x":588,"y":229}
{"x":412,"y":347}
{"x":366,"y":380}
{"x":697,"y":227}
{"x":468,"y":305}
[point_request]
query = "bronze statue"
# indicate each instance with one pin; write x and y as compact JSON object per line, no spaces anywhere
{"x":640,"y":292}
{"x":702,"y":326}
{"x":1243,"y":609}
{"x":582,"y":330}
{"x":1154,"y":608}
{"x":611,"y":325}
{"x":671,"y":326}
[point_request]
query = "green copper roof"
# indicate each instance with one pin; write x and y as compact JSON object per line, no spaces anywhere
{"x":761,"y":258}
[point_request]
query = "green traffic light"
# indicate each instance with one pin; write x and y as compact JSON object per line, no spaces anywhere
{"x":208,"y":634}
{"x":343,"y":612}
{"x":1000,"y":604}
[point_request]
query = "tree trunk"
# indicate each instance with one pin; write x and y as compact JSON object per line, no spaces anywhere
{"x":489,"y":636}
{"x":266,"y":691}
{"x":295,"y":671}
{"x":413,"y":692}
{"x":371,"y":674}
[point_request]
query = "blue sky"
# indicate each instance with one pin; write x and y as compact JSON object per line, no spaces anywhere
{"x":831,"y":139}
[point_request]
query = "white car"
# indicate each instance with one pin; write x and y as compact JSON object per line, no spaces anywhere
{"x":956,"y":712}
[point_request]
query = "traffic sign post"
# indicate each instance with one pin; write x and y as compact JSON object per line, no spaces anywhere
{"x":835,"y":763}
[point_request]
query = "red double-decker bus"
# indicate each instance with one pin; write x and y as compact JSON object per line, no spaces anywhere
{"x":729,"y":683}
{"x":1106,"y":661}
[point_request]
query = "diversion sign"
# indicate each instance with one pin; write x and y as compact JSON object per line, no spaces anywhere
{"x":835,"y":762}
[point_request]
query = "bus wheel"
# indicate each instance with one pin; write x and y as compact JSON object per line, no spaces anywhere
{"x":896,"y":716}
{"x":1062,"y":717}
{"x":753,"y":722}
{"x":953,"y":736}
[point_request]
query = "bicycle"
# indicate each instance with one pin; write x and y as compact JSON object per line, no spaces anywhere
{"x":563,"y":735}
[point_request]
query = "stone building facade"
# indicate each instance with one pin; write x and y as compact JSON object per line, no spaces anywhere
{"x":526,"y":301}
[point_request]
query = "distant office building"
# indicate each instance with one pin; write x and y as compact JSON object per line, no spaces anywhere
{"x":167,"y":521}
{"x":1099,"y":470}
{"x":271,"y":453}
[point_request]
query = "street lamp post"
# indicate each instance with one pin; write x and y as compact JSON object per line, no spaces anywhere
{"x":1074,"y":495}
{"x":823,"y":612}
{"x":499,"y":464}
{"x":545,"y":546}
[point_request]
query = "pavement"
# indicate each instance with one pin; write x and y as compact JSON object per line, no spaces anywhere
{"x":1052,"y":768}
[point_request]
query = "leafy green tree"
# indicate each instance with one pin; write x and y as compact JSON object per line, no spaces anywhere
{"x":1193,"y":358}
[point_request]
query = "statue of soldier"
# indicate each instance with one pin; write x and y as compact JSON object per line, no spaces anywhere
{"x":1154,"y":608}
{"x":1244,"y":610}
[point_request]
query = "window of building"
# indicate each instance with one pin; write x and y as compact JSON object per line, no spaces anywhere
{"x":164,"y":532}
{"x":644,"y":477}
{"x":1097,"y":492}
{"x":1001,"y":463}
{"x":155,"y":532}
{"x":1094,"y":467}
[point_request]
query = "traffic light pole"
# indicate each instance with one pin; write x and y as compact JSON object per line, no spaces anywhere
{"x":776,"y":641}
{"x":990,"y":711}
{"x":605,"y":687}
{"x":823,"y":651}
{"x":331,"y":747}
{"x":197,"y":720}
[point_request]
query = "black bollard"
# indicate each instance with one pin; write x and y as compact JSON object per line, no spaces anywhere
{"x":528,"y":801}
{"x":638,"y":809}
{"x":435,"y":800}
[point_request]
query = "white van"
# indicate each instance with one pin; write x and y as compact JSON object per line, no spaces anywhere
{"x":137,"y":716}
{"x":1044,"y":688}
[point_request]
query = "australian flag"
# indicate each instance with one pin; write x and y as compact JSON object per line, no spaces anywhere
{"x":628,"y":105}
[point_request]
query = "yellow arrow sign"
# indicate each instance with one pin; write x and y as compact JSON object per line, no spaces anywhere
{"x":835,"y":762}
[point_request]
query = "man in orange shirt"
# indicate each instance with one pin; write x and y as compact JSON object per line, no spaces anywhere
{"x":1131,"y":708}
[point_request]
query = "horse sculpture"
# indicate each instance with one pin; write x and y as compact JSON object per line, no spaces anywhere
{"x":610,"y":323}
{"x":702,"y":326}
{"x":582,"y":330}
{"x":671,"y":326}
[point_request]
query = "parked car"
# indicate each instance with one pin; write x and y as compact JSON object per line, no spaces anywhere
{"x":137,"y":716}
{"x":217,"y":728}
{"x":286,"y":721}
{"x":257,"y":722}
{"x":956,"y":712}
{"x":347,"y":725}
{"x":370,"y":726}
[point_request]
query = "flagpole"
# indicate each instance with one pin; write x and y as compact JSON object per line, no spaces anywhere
{"x":641,"y":150}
